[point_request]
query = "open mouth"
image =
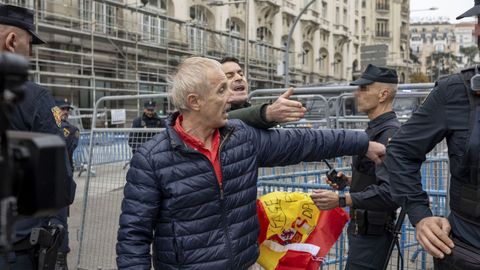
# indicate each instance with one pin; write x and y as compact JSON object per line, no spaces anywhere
{"x":239,"y":88}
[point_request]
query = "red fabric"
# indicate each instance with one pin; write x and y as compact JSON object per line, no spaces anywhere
{"x":196,"y":144}
{"x":264,"y":222}
{"x":295,"y":260}
{"x":329,"y":227}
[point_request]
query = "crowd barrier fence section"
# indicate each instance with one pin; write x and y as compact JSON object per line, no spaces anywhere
{"x":105,"y":155}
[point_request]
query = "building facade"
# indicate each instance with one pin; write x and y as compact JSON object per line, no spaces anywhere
{"x":437,"y":45}
{"x":386,"y":22}
{"x":116,"y":47}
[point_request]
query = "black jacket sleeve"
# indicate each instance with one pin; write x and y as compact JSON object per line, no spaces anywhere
{"x":377,"y":197}
{"x":407,"y":151}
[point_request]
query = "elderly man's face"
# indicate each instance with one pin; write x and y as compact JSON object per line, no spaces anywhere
{"x":236,"y":82}
{"x":367,"y":97}
{"x":216,"y":101}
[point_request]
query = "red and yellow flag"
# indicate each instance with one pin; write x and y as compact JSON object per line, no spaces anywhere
{"x":294,"y":233}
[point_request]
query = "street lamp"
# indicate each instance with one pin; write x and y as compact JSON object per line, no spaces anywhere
{"x":289,"y":40}
{"x":246,"y":41}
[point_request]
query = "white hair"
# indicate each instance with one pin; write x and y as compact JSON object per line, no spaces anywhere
{"x":191,"y":77}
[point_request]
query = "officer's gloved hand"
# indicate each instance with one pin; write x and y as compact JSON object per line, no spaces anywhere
{"x":342,"y":177}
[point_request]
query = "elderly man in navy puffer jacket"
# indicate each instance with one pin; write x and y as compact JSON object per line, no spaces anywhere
{"x":191,"y":190}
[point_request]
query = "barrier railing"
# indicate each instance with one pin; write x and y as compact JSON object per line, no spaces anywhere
{"x":109,"y":151}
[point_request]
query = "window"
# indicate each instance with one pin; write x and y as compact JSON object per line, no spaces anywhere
{"x":105,"y":16}
{"x":159,"y":4}
{"x":153,"y":29}
{"x":196,"y":35}
{"x":382,"y":5}
{"x":324,"y":9}
{"x":345,"y":16}
{"x":337,"y":15}
{"x":263,"y":35}
{"x":234,"y":40}
{"x":381,"y":28}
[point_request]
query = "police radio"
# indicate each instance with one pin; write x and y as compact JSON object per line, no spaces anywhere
{"x":332,"y":177}
{"x":475,"y":81}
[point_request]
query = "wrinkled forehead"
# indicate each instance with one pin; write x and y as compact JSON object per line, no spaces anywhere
{"x":216,"y":76}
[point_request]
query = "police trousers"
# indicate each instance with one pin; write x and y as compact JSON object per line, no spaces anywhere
{"x":367,"y":252}
{"x":463,"y":257}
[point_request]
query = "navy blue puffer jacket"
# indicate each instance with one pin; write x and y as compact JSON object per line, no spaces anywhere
{"x":173,"y":200}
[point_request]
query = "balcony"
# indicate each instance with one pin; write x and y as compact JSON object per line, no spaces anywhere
{"x":405,"y":11}
{"x":382,"y":7}
{"x":404,"y":36}
{"x":382,"y":34}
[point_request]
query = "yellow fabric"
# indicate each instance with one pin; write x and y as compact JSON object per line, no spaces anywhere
{"x":292,"y":217}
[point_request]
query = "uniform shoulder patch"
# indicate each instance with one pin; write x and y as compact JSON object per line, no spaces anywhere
{"x":66,"y":132}
{"x":77,"y":134}
{"x":57,"y":115}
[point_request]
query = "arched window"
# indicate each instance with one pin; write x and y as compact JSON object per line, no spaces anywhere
{"x":264,"y":37}
{"x":323,"y":60}
{"x":197,"y":36}
{"x":234,"y":42}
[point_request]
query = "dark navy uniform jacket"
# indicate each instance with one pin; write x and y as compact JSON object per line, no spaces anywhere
{"x":136,"y":139}
{"x":72,"y":135}
{"x":38,"y":113}
{"x":375,"y":197}
{"x":444,"y":114}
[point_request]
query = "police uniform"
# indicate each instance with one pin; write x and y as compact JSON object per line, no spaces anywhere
{"x":136,"y":139}
{"x":369,"y":231}
{"x":444,"y":114}
{"x":70,"y":132}
{"x":372,"y":211}
{"x":36,"y":113}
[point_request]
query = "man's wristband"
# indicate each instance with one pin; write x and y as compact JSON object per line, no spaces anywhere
{"x":342,"y":201}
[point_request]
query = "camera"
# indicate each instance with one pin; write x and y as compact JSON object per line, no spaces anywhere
{"x":32,"y":173}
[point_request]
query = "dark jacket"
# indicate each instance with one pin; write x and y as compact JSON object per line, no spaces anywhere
{"x":173,"y":200}
{"x":71,"y":135}
{"x":443,"y":115}
{"x":136,"y":139}
{"x":375,"y":194}
{"x":37,"y":113}
{"x":254,"y":116}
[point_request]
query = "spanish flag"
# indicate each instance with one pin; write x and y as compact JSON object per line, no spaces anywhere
{"x":294,"y":233}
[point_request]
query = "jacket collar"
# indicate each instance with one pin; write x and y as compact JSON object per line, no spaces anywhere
{"x":175,"y":139}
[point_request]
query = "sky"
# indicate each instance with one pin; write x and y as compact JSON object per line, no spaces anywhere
{"x":446,"y":8}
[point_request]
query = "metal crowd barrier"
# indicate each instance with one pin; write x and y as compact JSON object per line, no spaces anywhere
{"x":108,"y":152}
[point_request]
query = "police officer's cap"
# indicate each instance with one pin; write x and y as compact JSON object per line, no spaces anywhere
{"x":63,"y":104}
{"x":376,"y":74}
{"x":150,"y":105}
{"x":474,"y":11}
{"x":21,"y":18}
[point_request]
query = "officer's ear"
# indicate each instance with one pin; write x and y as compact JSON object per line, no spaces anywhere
{"x":383,"y":94}
{"x":11,"y":42}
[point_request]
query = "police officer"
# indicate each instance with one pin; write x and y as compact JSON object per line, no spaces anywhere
{"x":371,"y":206}
{"x":451,"y":112}
{"x":37,"y":112}
{"x":70,"y":132}
{"x":149,"y":119}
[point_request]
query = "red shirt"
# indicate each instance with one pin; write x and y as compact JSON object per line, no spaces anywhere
{"x":196,"y":144}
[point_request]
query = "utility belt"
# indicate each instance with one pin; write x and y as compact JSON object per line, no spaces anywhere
{"x":42,"y":245}
{"x":371,"y":222}
{"x":463,"y":256}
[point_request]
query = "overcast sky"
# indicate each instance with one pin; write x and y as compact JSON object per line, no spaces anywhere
{"x":446,"y":8}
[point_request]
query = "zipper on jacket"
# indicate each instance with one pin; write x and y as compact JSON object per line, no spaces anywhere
{"x":222,"y":195}
{"x":222,"y":203}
